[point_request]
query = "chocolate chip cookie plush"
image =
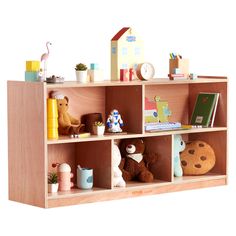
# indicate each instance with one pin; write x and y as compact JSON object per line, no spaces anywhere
{"x":198,"y":158}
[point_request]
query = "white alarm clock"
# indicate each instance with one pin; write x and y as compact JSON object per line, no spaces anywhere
{"x":145,"y":71}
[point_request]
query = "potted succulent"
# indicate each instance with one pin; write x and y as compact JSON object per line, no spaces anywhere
{"x":81,"y":72}
{"x":52,"y":182}
{"x":98,"y":128}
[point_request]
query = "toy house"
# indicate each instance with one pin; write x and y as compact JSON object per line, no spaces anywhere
{"x":126,"y":51}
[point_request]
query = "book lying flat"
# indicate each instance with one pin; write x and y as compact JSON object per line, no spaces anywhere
{"x":162,"y":126}
{"x":205,"y":109}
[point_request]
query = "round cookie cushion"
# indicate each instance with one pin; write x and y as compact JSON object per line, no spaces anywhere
{"x":198,"y":158}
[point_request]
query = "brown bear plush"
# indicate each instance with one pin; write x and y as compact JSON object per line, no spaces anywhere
{"x":135,"y":163}
{"x":67,"y":124}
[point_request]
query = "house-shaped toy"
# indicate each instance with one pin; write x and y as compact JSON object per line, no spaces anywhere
{"x":126,"y":52}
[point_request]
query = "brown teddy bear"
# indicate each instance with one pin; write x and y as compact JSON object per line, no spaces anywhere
{"x":135,"y":163}
{"x":67,"y":124}
{"x":198,"y":158}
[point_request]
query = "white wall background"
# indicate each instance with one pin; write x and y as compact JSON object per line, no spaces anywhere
{"x":202,"y":31}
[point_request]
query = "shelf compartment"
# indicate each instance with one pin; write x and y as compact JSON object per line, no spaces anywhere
{"x":177,"y":105}
{"x":84,"y":100}
{"x":128,"y":101}
{"x":87,"y":154}
{"x":162,"y":170}
{"x":182,"y":104}
{"x":161,"y":146}
{"x":218,"y":141}
{"x":221,"y":112}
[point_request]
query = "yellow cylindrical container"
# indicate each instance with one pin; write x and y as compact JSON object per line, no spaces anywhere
{"x":52,"y":111}
{"x":52,"y":123}
{"x":52,"y":118}
{"x":52,"y":133}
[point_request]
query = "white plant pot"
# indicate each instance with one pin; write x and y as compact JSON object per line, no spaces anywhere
{"x":99,"y":130}
{"x":53,"y":188}
{"x":81,"y":76}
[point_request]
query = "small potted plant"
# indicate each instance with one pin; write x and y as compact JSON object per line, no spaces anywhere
{"x":98,"y":128}
{"x":81,"y":72}
{"x":52,"y":182}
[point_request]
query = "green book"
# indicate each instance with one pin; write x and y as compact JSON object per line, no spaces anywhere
{"x":203,"y":109}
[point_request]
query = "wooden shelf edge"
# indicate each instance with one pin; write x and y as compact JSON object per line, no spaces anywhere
{"x":185,"y":131}
{"x":134,"y":185}
{"x":193,"y":179}
{"x":120,"y":193}
{"x":66,"y":139}
{"x":154,"y":81}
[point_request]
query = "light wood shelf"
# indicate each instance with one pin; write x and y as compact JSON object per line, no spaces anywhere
{"x":192,"y":179}
{"x":134,"y":189}
{"x":66,"y":139}
{"x":31,"y":154}
{"x":155,"y":81}
{"x":135,"y":185}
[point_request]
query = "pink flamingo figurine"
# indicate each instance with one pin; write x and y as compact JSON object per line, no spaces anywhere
{"x":44,"y":58}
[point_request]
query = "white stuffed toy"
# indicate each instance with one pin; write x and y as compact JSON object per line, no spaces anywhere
{"x":118,"y":180}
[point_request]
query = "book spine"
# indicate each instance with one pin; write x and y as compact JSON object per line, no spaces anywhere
{"x":215,"y":108}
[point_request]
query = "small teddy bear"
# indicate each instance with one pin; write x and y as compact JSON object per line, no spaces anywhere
{"x":135,"y":164}
{"x":68,"y":125}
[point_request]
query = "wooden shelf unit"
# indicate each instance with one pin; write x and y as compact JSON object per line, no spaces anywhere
{"x":31,"y":154}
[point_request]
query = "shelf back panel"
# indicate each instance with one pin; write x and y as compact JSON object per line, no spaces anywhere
{"x":177,"y":97}
{"x":98,"y":156}
{"x":218,"y":141}
{"x":162,"y":147}
{"x":221,"y":111}
{"x":128,"y":101}
{"x":84,"y":100}
{"x":62,"y":153}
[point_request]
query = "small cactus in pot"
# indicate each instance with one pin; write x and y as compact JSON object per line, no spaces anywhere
{"x":99,"y":128}
{"x":81,"y":72}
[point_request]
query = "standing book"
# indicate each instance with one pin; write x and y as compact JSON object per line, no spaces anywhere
{"x":205,"y":109}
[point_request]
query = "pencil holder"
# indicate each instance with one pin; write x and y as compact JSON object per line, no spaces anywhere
{"x":84,"y":178}
{"x":182,"y":64}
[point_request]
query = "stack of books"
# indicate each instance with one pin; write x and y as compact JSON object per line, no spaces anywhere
{"x":158,"y":126}
{"x":179,"y":76}
{"x":205,"y":109}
